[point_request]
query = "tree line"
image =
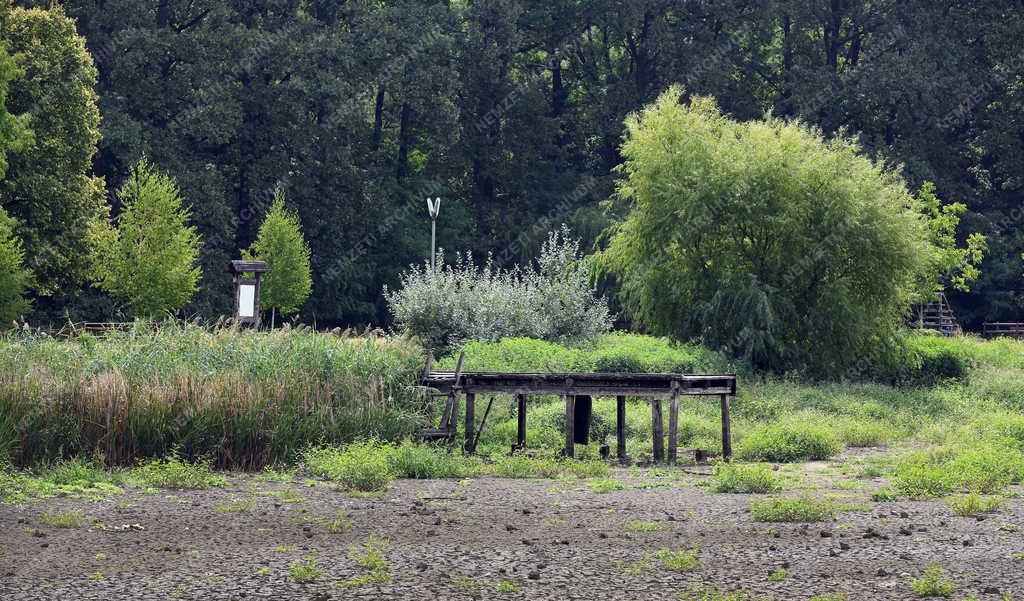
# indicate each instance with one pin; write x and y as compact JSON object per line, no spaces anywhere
{"x":511,"y":111}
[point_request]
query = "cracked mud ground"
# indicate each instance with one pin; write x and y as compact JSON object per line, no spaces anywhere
{"x":448,"y":539}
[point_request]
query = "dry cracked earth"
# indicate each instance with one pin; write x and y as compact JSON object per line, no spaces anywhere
{"x":492,"y":538}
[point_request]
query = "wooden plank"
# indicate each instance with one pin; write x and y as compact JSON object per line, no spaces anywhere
{"x":570,"y":420}
{"x":673,"y":428}
{"x":620,"y":426}
{"x":521,"y":421}
{"x":657,"y":431}
{"x":467,"y":447}
{"x":726,"y":429}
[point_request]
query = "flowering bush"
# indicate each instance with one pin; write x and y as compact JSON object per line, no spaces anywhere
{"x":553,"y":300}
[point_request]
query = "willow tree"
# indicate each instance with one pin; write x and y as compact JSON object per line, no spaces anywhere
{"x":769,"y":241}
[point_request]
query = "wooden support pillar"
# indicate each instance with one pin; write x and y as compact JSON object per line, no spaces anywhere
{"x":467,"y":447}
{"x":570,"y":422}
{"x":726,"y":429}
{"x":454,"y":419}
{"x":673,"y":427}
{"x":521,"y":426}
{"x":657,"y":430}
{"x":620,"y":426}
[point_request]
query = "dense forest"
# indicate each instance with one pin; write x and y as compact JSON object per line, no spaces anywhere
{"x":510,"y":111}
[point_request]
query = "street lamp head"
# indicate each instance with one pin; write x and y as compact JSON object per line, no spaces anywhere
{"x":434,"y":207}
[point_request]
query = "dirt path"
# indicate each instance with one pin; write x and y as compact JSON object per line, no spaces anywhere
{"x":459,"y":540}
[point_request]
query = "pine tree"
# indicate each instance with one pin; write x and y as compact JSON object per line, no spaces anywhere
{"x":147,"y":260}
{"x":14,"y":278}
{"x":279,"y":242}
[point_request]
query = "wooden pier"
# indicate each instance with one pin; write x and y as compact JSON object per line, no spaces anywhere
{"x":578,"y":391}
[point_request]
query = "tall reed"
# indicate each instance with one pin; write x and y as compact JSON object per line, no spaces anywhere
{"x":240,"y":397}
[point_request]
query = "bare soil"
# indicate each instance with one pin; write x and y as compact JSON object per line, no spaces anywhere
{"x":553,"y":539}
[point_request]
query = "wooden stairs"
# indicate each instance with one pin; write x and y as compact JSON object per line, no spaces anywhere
{"x":938,"y":316}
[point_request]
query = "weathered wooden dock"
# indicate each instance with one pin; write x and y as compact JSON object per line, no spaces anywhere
{"x":578,"y":390}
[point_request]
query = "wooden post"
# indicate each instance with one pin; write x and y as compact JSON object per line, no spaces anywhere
{"x":570,"y":422}
{"x":620,"y":426}
{"x":673,"y":426}
{"x":657,"y":430}
{"x":521,"y":426}
{"x":467,"y":447}
{"x":726,"y":429}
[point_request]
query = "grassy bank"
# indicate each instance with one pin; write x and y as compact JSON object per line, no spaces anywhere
{"x":959,"y":398}
{"x":243,"y":399}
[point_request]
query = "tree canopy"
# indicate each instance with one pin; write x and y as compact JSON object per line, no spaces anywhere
{"x":768,"y":240}
{"x":510,"y":111}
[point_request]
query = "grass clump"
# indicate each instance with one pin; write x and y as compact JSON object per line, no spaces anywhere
{"x":306,"y":571}
{"x":972,"y":504}
{"x":238,"y":505}
{"x":370,"y":557}
{"x":777,"y":575}
{"x":63,"y":519}
{"x":424,"y":461}
{"x":933,"y":583}
{"x":745,"y":479}
{"x":679,"y":561}
{"x":506,"y":586}
{"x":361,"y":466}
{"x":522,"y":466}
{"x":643,"y":526}
{"x":885,"y":495}
{"x":980,"y":467}
{"x":804,"y":508}
{"x":174,"y":473}
{"x":605,"y":485}
{"x":797,"y":441}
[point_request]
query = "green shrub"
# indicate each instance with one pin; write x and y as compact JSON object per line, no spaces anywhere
{"x":791,"y":509}
{"x":923,"y":359}
{"x":454,"y":303}
{"x":933,"y":583}
{"x":796,"y":441}
{"x":745,"y":479}
{"x":361,"y":466}
{"x":174,"y":473}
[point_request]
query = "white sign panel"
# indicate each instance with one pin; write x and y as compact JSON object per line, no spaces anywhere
{"x":247,"y":300}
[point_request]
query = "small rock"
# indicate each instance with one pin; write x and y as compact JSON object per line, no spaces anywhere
{"x":881,"y":572}
{"x":990,"y":590}
{"x":968,"y":542}
{"x":844,"y":546}
{"x":904,"y":514}
{"x":826,"y":534}
{"x":533,"y":575}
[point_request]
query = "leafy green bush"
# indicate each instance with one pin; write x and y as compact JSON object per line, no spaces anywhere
{"x":521,"y":466}
{"x":552,"y":301}
{"x":78,"y":472}
{"x":174,"y":473}
{"x":745,"y":478}
{"x":804,"y":508}
{"x":360,"y":466}
{"x":795,"y":441}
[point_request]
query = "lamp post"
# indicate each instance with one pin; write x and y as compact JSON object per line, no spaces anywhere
{"x":433,"y":207}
